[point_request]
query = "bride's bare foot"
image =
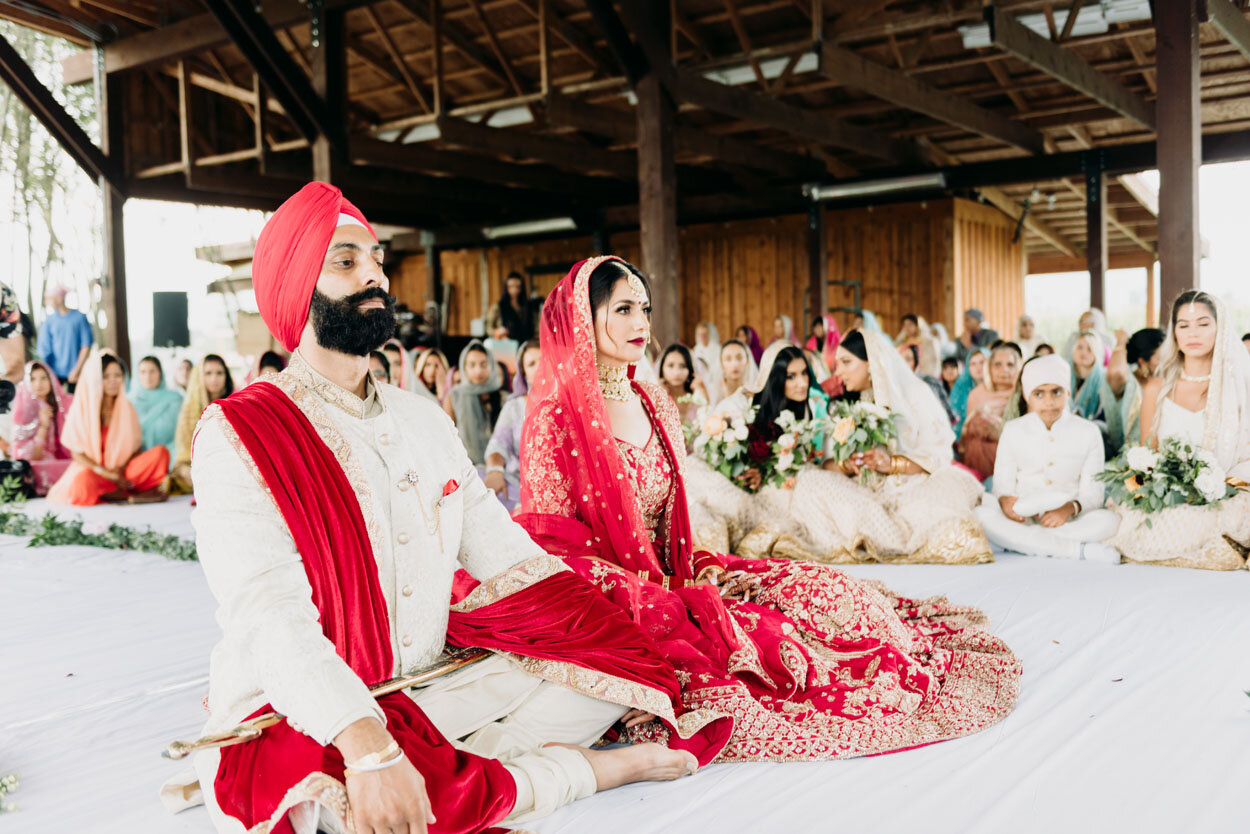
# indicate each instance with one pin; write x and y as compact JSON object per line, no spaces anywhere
{"x":636,"y":763}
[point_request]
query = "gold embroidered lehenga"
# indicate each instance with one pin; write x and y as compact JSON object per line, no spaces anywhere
{"x":832,"y":518}
{"x":816,"y":664}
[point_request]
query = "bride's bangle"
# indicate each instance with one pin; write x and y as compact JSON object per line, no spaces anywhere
{"x":898,"y":465}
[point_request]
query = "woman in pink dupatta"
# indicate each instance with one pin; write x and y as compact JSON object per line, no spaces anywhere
{"x":39,"y":410}
{"x":809,"y":662}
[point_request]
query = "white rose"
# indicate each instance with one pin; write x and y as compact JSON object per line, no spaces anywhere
{"x":1209,"y":484}
{"x":1142,"y":459}
{"x":785,"y":461}
{"x":786,"y":442}
{"x":1207,"y":457}
{"x":785,"y":420}
{"x":740,"y":432}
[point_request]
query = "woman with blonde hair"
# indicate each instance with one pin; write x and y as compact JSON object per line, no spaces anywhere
{"x":209,"y":381}
{"x":102,"y":433}
{"x":1201,"y":396}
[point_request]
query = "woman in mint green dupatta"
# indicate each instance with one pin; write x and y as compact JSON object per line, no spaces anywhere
{"x":1088,"y":375}
{"x":157,"y":405}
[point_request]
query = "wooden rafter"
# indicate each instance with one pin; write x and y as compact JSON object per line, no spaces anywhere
{"x":476,"y":5}
{"x":850,"y":68}
{"x":744,"y":41}
{"x":454,"y":36}
{"x":397,"y":59}
{"x":1073,"y":11}
{"x":1231,"y":23}
{"x":1139,"y":57}
{"x":1013,"y":37}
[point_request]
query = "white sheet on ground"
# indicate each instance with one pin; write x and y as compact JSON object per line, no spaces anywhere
{"x":1132,"y":715}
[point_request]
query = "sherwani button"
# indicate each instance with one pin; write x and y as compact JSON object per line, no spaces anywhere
{"x":402,"y":538}
{"x":407,"y":590}
{"x":403,"y":486}
{"x":407,"y":641}
{"x":384,"y":439}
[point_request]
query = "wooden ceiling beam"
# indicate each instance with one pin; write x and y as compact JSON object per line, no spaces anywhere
{"x":689,"y":141}
{"x":1016,"y":39}
{"x":494,"y":46}
{"x":1231,"y":22}
{"x":581,"y":43}
{"x":561,"y":153}
{"x":397,"y":59}
{"x":744,"y":41}
{"x":455,"y":36}
{"x":849,"y":68}
{"x":1140,"y":191}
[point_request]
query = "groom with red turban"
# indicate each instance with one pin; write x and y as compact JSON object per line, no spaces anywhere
{"x":332,"y":513}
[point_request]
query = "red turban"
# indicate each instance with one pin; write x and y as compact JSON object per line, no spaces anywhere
{"x":289,"y":255}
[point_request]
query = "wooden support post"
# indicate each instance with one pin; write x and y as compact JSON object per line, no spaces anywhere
{"x":184,"y":117}
{"x":544,"y":49}
{"x":434,"y":284}
{"x":602,"y":242}
{"x":260,"y":123}
{"x":817,"y":262}
{"x":657,"y":193}
{"x":329,"y":80}
{"x":1152,"y":295}
{"x":1180,"y":147}
{"x":116,"y":329}
{"x":1096,"y":230}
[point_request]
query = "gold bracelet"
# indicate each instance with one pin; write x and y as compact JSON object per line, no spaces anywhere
{"x":374,"y":759}
{"x":898,"y":465}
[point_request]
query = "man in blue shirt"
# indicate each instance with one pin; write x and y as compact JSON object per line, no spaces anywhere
{"x":66,"y":339}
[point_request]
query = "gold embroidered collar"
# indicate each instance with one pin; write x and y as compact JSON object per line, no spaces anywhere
{"x":335,"y":394}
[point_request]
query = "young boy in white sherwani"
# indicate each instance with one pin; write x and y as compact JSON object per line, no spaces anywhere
{"x":1046,"y":501}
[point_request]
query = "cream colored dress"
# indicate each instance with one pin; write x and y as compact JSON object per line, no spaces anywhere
{"x":832,"y":518}
{"x":1212,"y":538}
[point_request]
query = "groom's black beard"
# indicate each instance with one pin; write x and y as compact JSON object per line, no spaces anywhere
{"x":340,"y":325}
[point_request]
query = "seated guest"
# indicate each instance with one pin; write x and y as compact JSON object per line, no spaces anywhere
{"x":157,"y":406}
{"x":1133,"y":362}
{"x":972,"y":375}
{"x":1091,"y":399}
{"x":1027,"y":337}
{"x":397,"y":361}
{"x":430,"y":376}
{"x":1201,"y":396}
{"x":209,"y":382}
{"x":678,"y":380}
{"x":783,"y":330}
{"x":737,"y":367}
{"x":102,"y":433}
{"x":952,"y":368}
{"x":975,"y":335}
{"x":1046,"y":500}
{"x":911,"y":356}
{"x":475,"y":402}
{"x":747,"y":336}
{"x":1092,"y":321}
{"x":726,"y":517}
{"x":918,"y":507}
{"x":515,"y":315}
{"x":503,"y":453}
{"x":916,"y":332}
{"x":379,"y":366}
{"x":182,"y":374}
{"x":706,"y":355}
{"x":987,"y":407}
{"x":1044,"y":350}
{"x":1245,"y":340}
{"x":824,"y":339}
{"x":268,"y":362}
{"x":39,"y":409}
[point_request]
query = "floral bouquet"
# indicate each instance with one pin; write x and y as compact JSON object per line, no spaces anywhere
{"x":860,"y":427}
{"x":1145,"y":480}
{"x":721,"y":443}
{"x":798,"y":444}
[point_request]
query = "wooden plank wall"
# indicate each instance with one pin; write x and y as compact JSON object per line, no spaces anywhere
{"x":927,"y":258}
{"x":989,"y":268}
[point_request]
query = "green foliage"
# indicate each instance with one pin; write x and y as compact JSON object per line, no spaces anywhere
{"x":8,"y":784}
{"x":50,"y":531}
{"x":1148,"y":481}
{"x":12,"y":490}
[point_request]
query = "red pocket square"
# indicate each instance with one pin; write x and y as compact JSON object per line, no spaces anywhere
{"x":450,"y":487}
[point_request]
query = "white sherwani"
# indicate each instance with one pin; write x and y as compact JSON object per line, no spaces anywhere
{"x":401,"y":454}
{"x":1045,"y":468}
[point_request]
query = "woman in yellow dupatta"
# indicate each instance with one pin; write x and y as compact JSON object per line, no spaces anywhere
{"x":209,"y":381}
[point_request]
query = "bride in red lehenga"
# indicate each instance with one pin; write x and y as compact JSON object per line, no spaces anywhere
{"x":809,"y":662}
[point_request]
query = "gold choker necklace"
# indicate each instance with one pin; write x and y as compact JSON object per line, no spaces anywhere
{"x":614,"y":380}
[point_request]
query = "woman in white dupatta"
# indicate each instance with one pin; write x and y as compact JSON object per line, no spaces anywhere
{"x":706,"y":354}
{"x":724,"y":517}
{"x":919,"y":509}
{"x":1215,"y":422}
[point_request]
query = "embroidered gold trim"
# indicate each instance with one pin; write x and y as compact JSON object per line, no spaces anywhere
{"x":615,"y":383}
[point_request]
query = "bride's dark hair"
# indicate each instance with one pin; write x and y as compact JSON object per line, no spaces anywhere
{"x":604,"y":278}
{"x":772,"y":398}
{"x":854,"y":342}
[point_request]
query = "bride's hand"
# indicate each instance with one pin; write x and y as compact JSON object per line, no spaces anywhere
{"x":876,"y":459}
{"x":742,"y":584}
{"x":752,"y":478}
{"x":635,"y":717}
{"x":712,"y":576}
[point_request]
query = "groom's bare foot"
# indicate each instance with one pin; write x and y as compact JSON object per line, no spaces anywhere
{"x":636,"y":763}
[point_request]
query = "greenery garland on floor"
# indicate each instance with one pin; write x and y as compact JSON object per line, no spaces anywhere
{"x":50,"y":531}
{"x":8,"y":784}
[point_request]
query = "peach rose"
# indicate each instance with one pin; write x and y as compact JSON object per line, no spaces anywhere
{"x":843,"y":429}
{"x":1132,"y":484}
{"x":714,"y":426}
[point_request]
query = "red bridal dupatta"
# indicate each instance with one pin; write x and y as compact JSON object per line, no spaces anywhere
{"x":559,"y":624}
{"x":817,"y":665}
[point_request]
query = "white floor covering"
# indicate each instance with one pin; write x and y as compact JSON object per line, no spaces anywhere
{"x":1132,"y":717}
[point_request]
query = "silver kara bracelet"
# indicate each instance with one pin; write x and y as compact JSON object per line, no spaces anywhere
{"x":374,"y":768}
{"x":494,"y":467}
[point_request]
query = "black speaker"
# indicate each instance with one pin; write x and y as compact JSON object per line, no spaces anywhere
{"x":169,"y":320}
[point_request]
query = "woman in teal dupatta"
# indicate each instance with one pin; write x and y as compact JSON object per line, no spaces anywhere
{"x":157,"y":405}
{"x":1088,"y":375}
{"x":973,"y":374}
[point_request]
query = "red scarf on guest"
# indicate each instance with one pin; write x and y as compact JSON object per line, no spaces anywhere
{"x":560,"y":618}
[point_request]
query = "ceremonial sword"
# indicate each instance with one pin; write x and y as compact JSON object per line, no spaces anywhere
{"x":251,"y":729}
